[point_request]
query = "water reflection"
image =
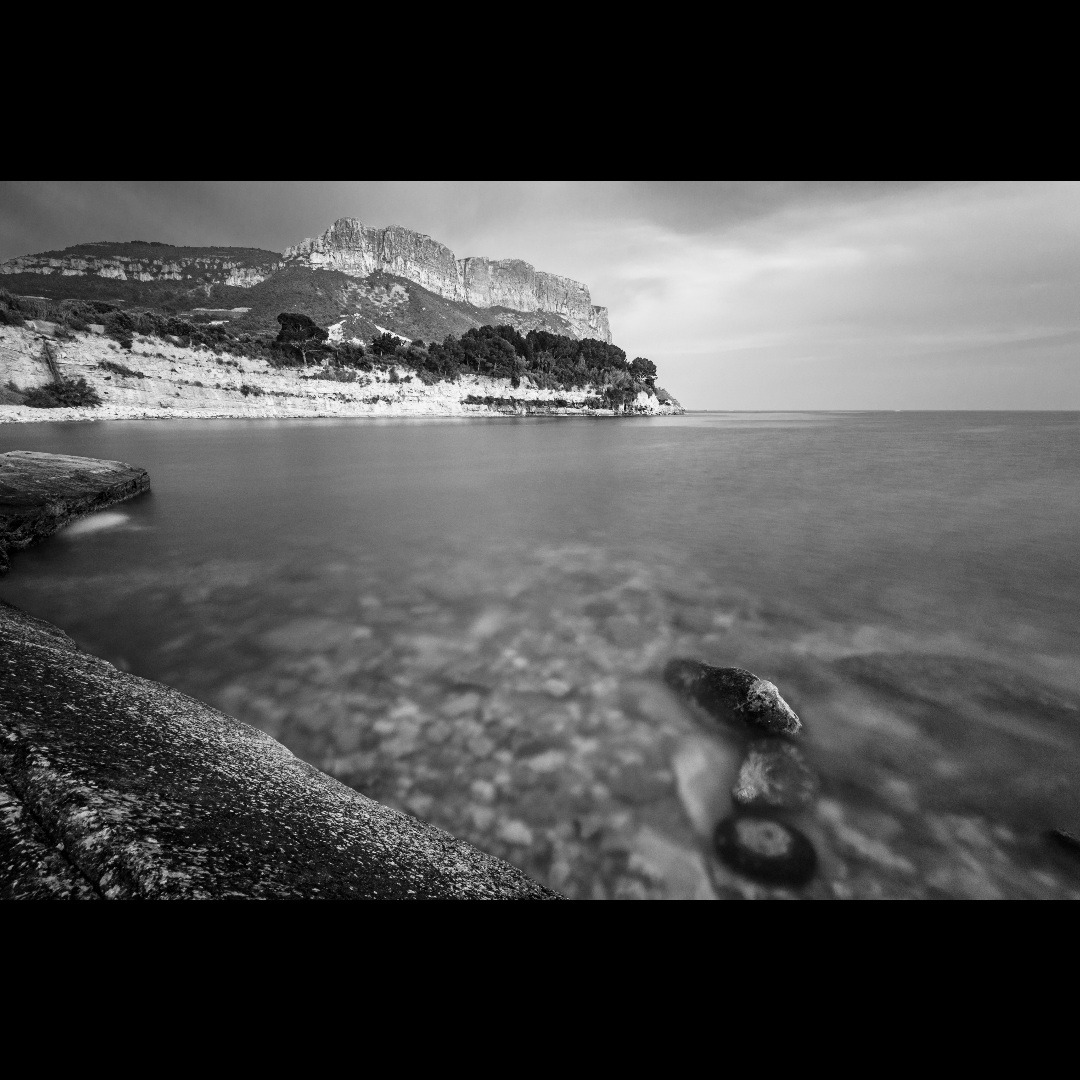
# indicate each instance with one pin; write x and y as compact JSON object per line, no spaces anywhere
{"x":106,"y":519}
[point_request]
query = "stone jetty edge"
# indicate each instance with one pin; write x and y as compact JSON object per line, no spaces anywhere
{"x":118,"y":787}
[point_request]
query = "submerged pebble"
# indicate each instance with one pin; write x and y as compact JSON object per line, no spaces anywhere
{"x":775,"y":774}
{"x":704,"y":772}
{"x":766,"y":850}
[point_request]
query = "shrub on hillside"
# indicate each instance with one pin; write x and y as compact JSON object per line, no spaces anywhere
{"x":9,"y":317}
{"x":118,"y":323}
{"x":352,"y":355}
{"x":77,"y":315}
{"x":120,"y":326}
{"x":337,"y":374}
{"x":120,"y":369}
{"x":384,"y":345}
{"x":68,"y":393}
{"x":10,"y":394}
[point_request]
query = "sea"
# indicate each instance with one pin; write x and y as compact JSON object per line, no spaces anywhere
{"x":469,"y":620}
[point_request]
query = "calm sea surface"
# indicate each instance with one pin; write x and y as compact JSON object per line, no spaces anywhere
{"x":467,"y":619}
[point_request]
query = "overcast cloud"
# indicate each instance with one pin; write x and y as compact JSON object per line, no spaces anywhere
{"x":746,"y":294}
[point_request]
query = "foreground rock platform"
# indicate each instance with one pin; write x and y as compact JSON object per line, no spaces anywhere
{"x":114,"y":786}
{"x":41,"y":493}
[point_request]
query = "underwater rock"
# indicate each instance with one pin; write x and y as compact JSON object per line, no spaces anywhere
{"x":733,"y":696}
{"x":766,"y":850}
{"x":775,"y":774}
{"x":705,"y":770}
{"x":679,"y":869}
{"x":1064,"y":840}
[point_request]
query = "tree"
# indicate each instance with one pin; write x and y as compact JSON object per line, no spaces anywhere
{"x":120,"y":326}
{"x":301,"y":331}
{"x":384,"y":344}
{"x":298,"y":328}
{"x":643,"y":369}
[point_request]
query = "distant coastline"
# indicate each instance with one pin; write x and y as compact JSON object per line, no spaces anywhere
{"x":160,"y":379}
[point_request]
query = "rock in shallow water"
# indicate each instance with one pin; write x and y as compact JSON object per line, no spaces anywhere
{"x":766,"y":850}
{"x":705,"y":770}
{"x":733,"y":696}
{"x":41,"y":493}
{"x":775,"y":775}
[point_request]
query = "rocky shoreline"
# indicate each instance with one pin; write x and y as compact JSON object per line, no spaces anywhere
{"x":113,"y":786}
{"x":163,"y":380}
{"x":41,"y":493}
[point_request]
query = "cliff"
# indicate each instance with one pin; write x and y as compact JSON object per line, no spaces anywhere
{"x":360,"y":250}
{"x":152,"y":262}
{"x":472,"y":291}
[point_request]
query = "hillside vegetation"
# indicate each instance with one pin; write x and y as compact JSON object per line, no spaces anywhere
{"x":545,"y":360}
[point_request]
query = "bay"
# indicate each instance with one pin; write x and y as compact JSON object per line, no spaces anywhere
{"x":468,"y":620}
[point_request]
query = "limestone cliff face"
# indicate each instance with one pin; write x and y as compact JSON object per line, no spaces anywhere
{"x":598,"y":324}
{"x":205,"y":269}
{"x":354,"y":249}
{"x":357,"y":250}
{"x":515,"y":284}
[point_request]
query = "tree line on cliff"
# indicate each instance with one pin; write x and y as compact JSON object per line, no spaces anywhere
{"x":548,"y":360}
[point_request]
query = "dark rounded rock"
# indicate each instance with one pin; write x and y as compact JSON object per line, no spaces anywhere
{"x":765,"y":849}
{"x":733,"y":696}
{"x":775,"y":775}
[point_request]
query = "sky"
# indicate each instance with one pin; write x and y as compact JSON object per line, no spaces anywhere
{"x":745,"y":294}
